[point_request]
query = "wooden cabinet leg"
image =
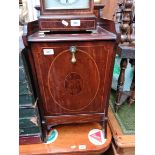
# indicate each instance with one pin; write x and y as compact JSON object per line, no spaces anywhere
{"x":132,"y":88}
{"x":105,"y":128}
{"x":120,"y":84}
{"x":44,"y":132}
{"x":104,"y":125}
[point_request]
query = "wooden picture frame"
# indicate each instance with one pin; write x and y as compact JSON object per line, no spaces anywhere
{"x":67,"y":19}
{"x":68,"y":11}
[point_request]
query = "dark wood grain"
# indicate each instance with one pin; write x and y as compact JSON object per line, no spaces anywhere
{"x":121,"y":80}
{"x":56,"y":24}
{"x":29,"y":29}
{"x":52,"y":19}
{"x":96,"y":35}
{"x":70,"y":89}
{"x":81,"y":118}
{"x":132,"y":88}
{"x":52,"y":90}
{"x":107,"y":24}
{"x":125,"y":52}
{"x":31,"y":139}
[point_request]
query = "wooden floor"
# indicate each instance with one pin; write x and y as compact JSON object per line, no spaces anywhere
{"x":72,"y":136}
{"x":71,"y":140}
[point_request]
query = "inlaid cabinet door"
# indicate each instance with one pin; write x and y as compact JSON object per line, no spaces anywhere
{"x":67,"y":87}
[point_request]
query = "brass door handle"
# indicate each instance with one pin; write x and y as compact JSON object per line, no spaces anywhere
{"x":73,"y":51}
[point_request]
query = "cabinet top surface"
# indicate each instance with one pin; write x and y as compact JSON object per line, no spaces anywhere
{"x":98,"y":34}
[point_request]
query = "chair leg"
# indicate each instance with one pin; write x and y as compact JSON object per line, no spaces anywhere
{"x":132,"y":89}
{"x":120,"y":84}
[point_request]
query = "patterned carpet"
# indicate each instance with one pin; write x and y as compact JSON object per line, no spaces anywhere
{"x":125,"y":116}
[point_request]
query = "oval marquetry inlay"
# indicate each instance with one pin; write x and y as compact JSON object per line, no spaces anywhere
{"x":73,"y":83}
{"x":73,"y":86}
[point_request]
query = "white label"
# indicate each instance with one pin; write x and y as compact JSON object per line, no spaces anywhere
{"x":48,"y":51}
{"x":96,"y":137}
{"x":65,"y":23}
{"x":73,"y":147}
{"x":82,"y":147}
{"x":75,"y":23}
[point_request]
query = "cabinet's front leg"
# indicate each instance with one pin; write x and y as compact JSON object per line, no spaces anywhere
{"x":120,"y":84}
{"x":104,"y":125}
{"x":44,"y":131}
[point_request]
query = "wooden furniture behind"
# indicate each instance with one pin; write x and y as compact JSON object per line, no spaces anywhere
{"x":125,"y":53}
{"x":29,"y":122}
{"x":98,"y":8}
{"x":125,"y":29}
{"x":121,"y":144}
{"x":70,"y":137}
{"x":109,"y":9}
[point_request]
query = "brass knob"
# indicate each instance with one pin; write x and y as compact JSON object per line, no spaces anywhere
{"x":73,"y":51}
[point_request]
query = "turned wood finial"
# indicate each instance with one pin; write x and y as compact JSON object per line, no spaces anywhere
{"x":125,"y":18}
